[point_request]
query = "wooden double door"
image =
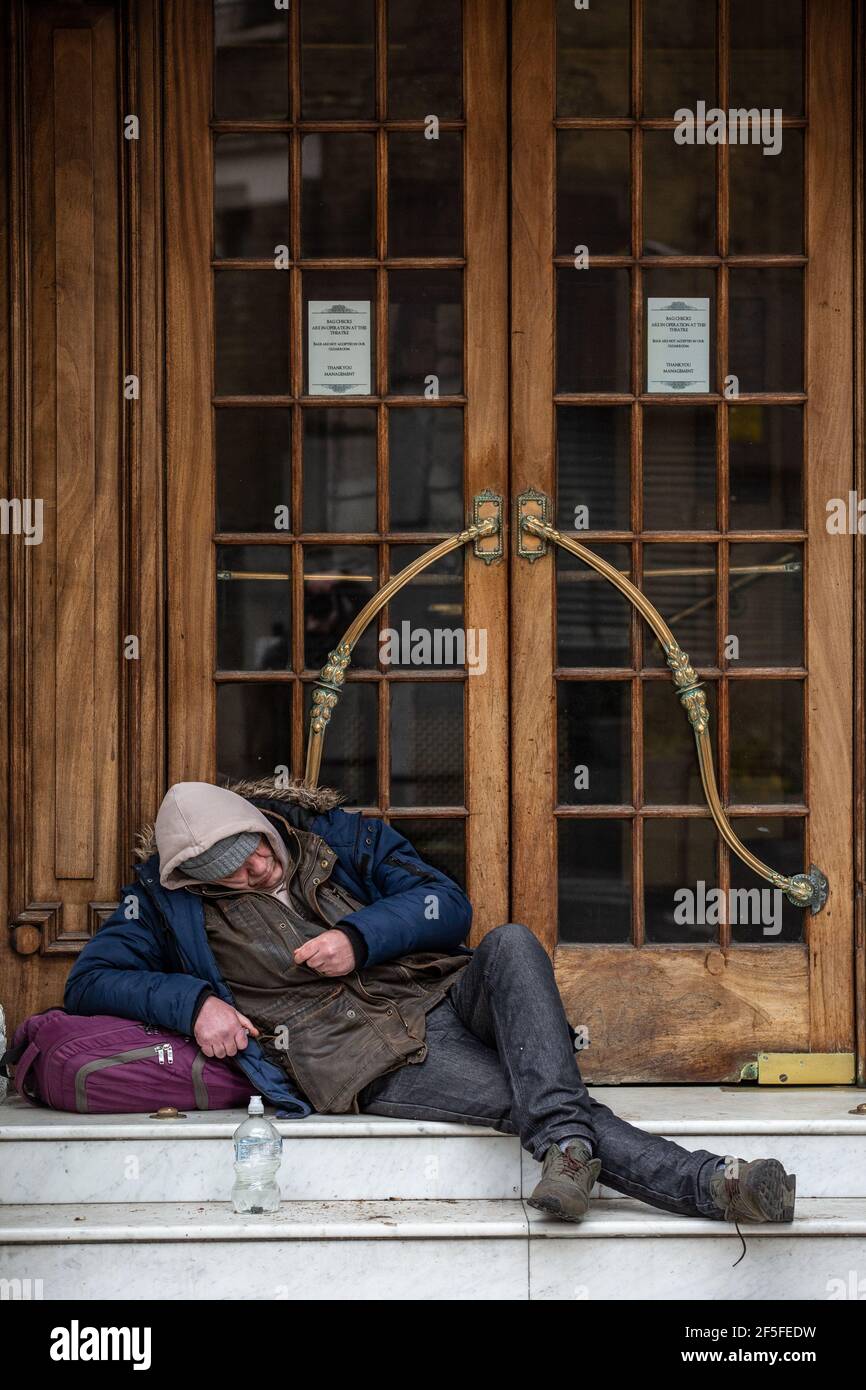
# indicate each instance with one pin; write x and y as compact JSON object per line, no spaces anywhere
{"x":373,"y":261}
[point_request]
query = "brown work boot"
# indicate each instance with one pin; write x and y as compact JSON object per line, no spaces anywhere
{"x":567,"y":1179}
{"x":758,"y":1190}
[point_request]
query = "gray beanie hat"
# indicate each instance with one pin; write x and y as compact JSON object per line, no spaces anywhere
{"x":222,"y":858}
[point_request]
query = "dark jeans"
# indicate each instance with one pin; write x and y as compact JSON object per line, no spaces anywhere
{"x":500,"y":1054}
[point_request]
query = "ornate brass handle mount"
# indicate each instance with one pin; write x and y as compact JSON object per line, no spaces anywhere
{"x":806,"y":890}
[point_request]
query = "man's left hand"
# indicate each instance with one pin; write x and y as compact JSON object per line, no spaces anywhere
{"x":329,"y":954}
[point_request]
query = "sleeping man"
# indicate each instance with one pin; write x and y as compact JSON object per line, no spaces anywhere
{"x":315,"y":948}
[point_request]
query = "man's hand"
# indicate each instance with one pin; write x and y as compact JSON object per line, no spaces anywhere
{"x":220,"y":1030}
{"x":329,"y":954}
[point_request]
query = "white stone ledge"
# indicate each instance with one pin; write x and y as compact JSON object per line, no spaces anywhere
{"x":188,"y":1221}
{"x":448,"y":1220}
{"x":675,"y":1111}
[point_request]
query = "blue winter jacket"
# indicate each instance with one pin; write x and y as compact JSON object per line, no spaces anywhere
{"x":152,"y":961}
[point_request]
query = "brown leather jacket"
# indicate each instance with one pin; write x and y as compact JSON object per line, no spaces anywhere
{"x":331,"y":1034}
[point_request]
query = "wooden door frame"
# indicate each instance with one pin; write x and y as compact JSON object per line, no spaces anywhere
{"x":811,"y":1004}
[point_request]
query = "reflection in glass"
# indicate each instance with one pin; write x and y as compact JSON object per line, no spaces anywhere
{"x":253,"y":468}
{"x":681,"y":581}
{"x":593,"y":192}
{"x":595,"y":880}
{"x":671,"y":773}
{"x":439,"y":841}
{"x":425,"y":72}
{"x":251,"y":327}
{"x":254,"y":607}
{"x":593,"y":741}
{"x":592,"y":330}
{"x":593,"y":620}
{"x":338,"y":581}
{"x":425,"y":194}
{"x":780,"y":842}
{"x":355,"y":289}
{"x":765,"y":605}
{"x":765,"y":444}
{"x":766,"y":735}
{"x":679,"y":854}
{"x":766,"y":333}
{"x":349,"y":753}
{"x":767,"y":198}
{"x":339,"y":469}
{"x":679,"y":56}
{"x":427,"y":743}
{"x":679,"y":468}
{"x":593,"y":468}
{"x":254,"y":729}
{"x":426,"y":468}
{"x":251,"y":199}
{"x":337,"y":60}
{"x":338,"y":173}
{"x":425,"y":331}
{"x":767,"y":55}
{"x":593,"y":59}
{"x":426,"y":617}
{"x":251,"y":77}
{"x":679,"y":197}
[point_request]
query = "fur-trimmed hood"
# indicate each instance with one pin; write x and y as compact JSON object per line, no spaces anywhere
{"x":294,"y":792}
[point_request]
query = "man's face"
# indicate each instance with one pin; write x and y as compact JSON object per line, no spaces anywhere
{"x":261,"y":871}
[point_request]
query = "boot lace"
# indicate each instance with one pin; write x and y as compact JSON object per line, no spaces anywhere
{"x":732,"y":1192}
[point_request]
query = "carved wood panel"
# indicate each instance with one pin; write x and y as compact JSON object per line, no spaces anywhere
{"x":82,"y":742}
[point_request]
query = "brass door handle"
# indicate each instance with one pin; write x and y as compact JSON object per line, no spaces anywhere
{"x":533,"y":530}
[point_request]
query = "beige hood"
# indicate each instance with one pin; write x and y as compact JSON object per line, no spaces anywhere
{"x":193,"y":816}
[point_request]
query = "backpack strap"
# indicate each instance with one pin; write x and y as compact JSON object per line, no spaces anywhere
{"x":22,"y":1069}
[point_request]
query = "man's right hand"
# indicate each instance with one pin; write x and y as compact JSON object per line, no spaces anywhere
{"x":220,"y":1030}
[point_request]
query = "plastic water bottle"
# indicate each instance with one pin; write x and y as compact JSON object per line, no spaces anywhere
{"x":258,"y":1153}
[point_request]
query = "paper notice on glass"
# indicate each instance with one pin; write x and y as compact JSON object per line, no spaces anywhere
{"x":339,"y":347}
{"x":678,"y":345}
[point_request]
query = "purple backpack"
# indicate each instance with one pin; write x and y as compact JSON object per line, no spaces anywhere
{"x":98,"y":1064}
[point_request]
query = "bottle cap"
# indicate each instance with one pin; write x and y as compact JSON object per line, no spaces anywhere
{"x":255,"y":1106}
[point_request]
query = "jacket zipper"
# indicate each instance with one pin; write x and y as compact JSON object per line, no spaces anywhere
{"x":410,"y":868}
{"x":341,"y":893}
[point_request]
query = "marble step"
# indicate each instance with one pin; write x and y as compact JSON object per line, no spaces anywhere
{"x":425,"y":1250}
{"x":47,"y":1156}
